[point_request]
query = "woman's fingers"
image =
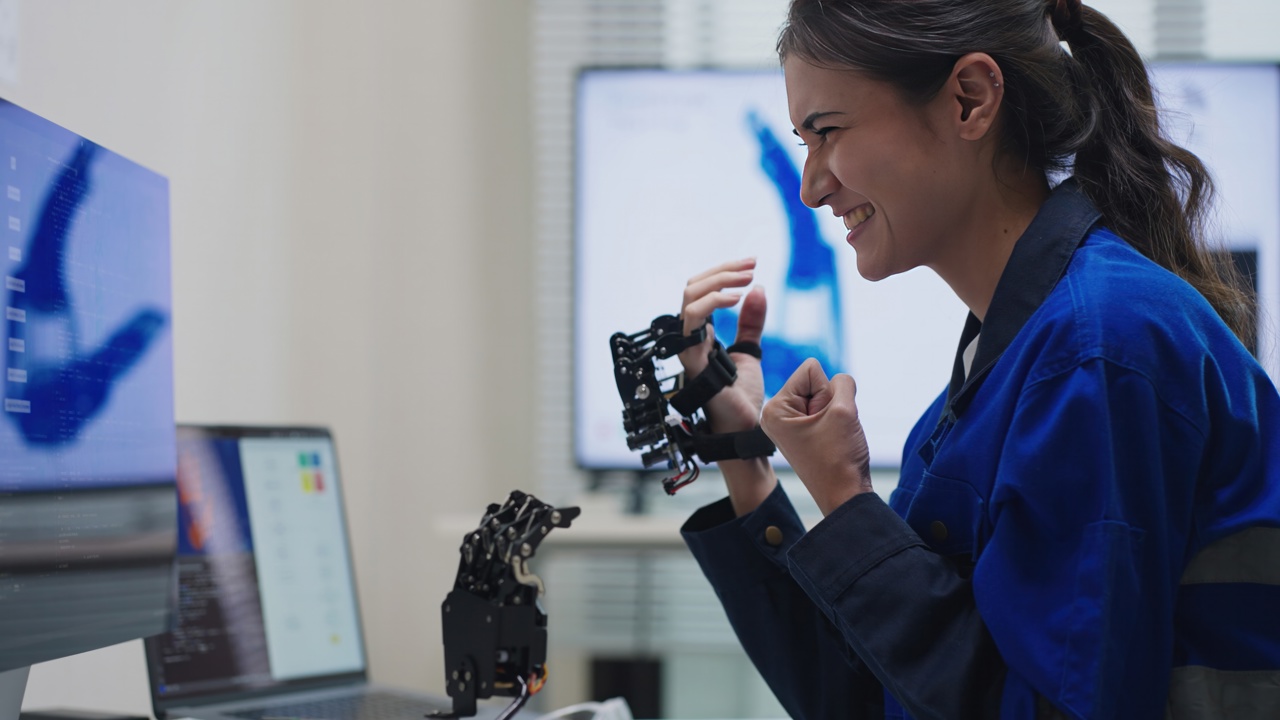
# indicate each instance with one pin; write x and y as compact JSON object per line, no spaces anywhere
{"x":696,"y":313}
{"x":705,"y":293}
{"x":715,"y":283}
{"x":731,"y":266}
{"x":804,"y":394}
{"x":725,"y":276}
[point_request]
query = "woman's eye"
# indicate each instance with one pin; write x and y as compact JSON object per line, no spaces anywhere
{"x":820,"y":132}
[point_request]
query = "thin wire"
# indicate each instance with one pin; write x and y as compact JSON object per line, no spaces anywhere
{"x":518,"y":703}
{"x":542,"y":680}
{"x":676,"y":483}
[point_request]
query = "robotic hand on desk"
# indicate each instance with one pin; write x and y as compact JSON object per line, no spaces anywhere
{"x":495,"y":631}
{"x":665,"y":414}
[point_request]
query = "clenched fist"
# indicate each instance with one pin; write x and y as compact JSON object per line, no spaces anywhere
{"x":814,"y":422}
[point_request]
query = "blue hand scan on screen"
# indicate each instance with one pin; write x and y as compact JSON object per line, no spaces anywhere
{"x":810,"y":302}
{"x":88,"y":383}
{"x":66,"y":385}
{"x":63,"y":386}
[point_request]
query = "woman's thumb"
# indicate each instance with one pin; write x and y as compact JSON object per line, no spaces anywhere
{"x":751,"y":317}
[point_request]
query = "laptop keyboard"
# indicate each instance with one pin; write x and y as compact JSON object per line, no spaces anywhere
{"x":369,"y":706}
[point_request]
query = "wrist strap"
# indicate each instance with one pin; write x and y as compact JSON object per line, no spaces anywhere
{"x":669,"y":337}
{"x":711,"y":447}
{"x":719,"y":373}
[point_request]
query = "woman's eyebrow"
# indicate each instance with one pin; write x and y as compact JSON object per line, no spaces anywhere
{"x":808,"y":121}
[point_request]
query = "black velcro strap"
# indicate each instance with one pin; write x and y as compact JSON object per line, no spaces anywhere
{"x":720,"y":372}
{"x":732,"y":446}
{"x":747,"y":347}
{"x":669,"y":337}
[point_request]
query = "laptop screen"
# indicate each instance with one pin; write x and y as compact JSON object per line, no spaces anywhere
{"x":266,"y":596}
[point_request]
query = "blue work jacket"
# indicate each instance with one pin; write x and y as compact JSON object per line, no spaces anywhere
{"x":1087,"y":522}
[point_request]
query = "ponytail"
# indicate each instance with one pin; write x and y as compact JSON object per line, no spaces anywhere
{"x":1151,"y":191}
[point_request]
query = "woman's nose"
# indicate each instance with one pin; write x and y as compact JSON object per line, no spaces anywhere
{"x":816,"y":183}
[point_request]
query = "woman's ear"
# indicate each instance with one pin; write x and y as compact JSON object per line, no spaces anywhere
{"x":977,"y":86}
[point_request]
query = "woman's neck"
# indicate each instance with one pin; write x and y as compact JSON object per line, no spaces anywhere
{"x":979,"y":250}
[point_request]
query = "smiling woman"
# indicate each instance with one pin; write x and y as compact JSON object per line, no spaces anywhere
{"x":1087,"y":522}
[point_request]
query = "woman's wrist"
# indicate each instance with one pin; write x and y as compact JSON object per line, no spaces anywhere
{"x":728,"y":417}
{"x":749,"y":481}
{"x":833,"y":498}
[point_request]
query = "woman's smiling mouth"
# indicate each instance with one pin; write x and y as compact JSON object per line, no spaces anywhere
{"x":854,"y":219}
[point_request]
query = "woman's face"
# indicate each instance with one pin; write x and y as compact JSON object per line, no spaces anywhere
{"x":894,"y":172}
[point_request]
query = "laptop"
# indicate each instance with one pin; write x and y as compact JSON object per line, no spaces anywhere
{"x":267,"y":624}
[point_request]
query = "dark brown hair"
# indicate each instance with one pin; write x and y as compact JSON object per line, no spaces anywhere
{"x":1089,"y":110}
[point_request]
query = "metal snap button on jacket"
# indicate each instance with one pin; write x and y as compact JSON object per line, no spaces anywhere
{"x":939,"y":530}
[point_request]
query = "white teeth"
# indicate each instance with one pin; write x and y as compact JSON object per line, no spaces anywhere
{"x":858,"y":216}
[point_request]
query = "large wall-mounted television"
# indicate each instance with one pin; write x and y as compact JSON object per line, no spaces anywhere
{"x":677,"y":171}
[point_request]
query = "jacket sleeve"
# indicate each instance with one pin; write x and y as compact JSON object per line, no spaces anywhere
{"x":1069,"y":611}
{"x":907,"y":611}
{"x":860,"y":585}
{"x":799,"y":652}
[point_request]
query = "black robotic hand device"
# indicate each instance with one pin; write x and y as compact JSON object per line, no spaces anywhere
{"x":665,"y":414}
{"x":495,"y":631}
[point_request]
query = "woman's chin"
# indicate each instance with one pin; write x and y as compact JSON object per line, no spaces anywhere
{"x":870,"y":269}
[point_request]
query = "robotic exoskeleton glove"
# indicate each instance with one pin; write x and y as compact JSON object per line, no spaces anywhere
{"x":665,"y":414}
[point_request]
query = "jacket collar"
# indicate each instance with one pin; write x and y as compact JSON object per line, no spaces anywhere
{"x":1038,"y":261}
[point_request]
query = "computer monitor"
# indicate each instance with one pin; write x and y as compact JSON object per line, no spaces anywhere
{"x":88,"y":502}
{"x":677,"y":171}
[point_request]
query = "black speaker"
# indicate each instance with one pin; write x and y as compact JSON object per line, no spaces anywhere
{"x":637,"y":680}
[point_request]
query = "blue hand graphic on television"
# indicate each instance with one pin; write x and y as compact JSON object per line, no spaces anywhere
{"x":806,"y":318}
{"x":55,"y":387}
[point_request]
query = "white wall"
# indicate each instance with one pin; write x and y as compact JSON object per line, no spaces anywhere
{"x":351,"y":238}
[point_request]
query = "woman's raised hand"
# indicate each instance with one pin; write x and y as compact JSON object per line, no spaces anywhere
{"x":814,"y":422}
{"x":736,"y":407}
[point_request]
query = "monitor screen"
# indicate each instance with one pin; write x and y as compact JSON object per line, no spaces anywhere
{"x":678,"y":171}
{"x":267,"y":592}
{"x":88,"y":504}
